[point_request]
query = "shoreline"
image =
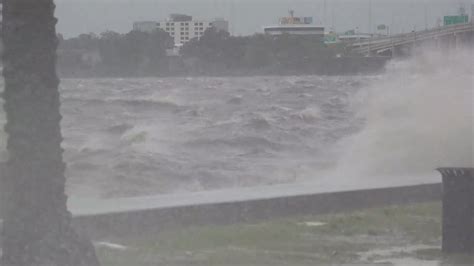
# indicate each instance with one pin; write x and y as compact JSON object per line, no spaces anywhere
{"x":344,"y":66}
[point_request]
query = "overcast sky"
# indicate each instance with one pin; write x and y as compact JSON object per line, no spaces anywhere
{"x":249,"y":16}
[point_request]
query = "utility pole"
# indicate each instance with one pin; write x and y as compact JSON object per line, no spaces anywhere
{"x":392,"y":25}
{"x":370,"y":28}
{"x":325,"y":13}
{"x":333,"y":15}
{"x":426,"y":14}
{"x":370,"y":17}
{"x":232,"y":17}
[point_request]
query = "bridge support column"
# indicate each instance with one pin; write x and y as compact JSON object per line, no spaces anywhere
{"x":400,"y":51}
{"x":447,"y":44}
{"x":437,"y":44}
{"x":457,"y":41}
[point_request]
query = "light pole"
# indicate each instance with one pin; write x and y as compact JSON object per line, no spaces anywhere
{"x":426,"y":14}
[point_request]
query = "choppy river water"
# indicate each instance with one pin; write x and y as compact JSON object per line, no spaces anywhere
{"x":135,"y":137}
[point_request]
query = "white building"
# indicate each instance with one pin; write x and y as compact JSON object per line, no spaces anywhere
{"x":355,"y":37}
{"x":146,"y":26}
{"x":295,"y":30}
{"x":296,"y":26}
{"x":181,"y":27}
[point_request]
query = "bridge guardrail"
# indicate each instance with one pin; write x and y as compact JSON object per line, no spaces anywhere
{"x":388,"y":42}
{"x":445,"y":29}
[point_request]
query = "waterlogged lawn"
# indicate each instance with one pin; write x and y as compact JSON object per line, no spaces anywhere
{"x":409,"y":235}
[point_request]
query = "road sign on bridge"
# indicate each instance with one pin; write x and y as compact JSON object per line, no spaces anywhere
{"x":453,"y":20}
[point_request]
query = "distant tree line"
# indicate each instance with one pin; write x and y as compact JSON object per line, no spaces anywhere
{"x":113,"y":54}
{"x":215,"y":53}
{"x":259,"y":53}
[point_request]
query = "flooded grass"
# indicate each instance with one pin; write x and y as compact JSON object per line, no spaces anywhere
{"x":409,"y":235}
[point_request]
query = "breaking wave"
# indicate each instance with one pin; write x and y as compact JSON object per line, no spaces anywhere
{"x":419,"y":116}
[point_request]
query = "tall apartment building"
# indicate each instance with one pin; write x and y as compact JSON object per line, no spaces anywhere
{"x":182,"y":28}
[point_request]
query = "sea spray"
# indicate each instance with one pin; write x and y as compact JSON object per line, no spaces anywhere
{"x":418,"y":116}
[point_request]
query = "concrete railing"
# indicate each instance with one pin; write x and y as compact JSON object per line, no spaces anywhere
{"x":152,"y":220}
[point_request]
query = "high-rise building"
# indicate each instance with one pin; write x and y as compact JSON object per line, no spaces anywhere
{"x":182,"y":28}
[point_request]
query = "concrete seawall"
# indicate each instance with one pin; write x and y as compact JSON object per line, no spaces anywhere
{"x":128,"y":216}
{"x":151,"y":220}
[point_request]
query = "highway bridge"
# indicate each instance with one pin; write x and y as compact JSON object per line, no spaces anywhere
{"x":445,"y":37}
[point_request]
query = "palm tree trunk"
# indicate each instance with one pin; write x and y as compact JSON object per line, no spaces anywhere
{"x":37,"y":226}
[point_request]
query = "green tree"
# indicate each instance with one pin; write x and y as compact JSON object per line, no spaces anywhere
{"x":37,"y":229}
{"x":258,"y":53}
{"x":135,"y":53}
{"x":217,"y":49}
{"x":82,"y":42}
{"x":110,"y":51}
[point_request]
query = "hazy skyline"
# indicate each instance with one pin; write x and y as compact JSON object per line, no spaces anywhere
{"x":249,"y":16}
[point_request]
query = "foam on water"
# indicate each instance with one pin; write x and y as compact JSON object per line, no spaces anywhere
{"x":152,"y":136}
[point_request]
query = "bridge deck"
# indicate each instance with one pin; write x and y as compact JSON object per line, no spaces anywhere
{"x":384,"y":43}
